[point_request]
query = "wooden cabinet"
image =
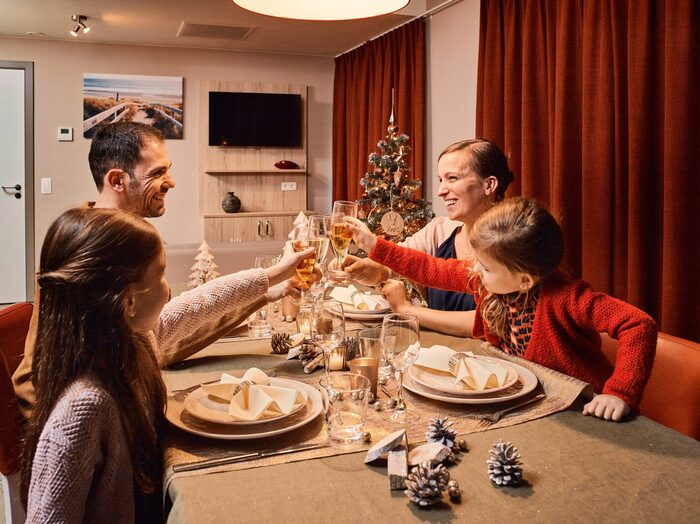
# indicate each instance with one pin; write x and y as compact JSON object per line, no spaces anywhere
{"x":267,"y":212}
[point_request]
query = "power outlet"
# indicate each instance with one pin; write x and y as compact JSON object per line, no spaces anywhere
{"x":289,"y":186}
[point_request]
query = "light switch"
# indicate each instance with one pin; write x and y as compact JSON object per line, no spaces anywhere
{"x":65,"y":134}
{"x":289,"y":186}
{"x":45,"y":186}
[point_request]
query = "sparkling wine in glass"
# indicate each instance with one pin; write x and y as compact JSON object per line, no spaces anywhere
{"x":401,"y":344}
{"x":319,"y":227}
{"x":300,"y":242}
{"x":340,"y":237}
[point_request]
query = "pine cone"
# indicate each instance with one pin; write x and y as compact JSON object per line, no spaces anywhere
{"x":308,"y":352}
{"x":504,"y":466}
{"x":352,"y":348}
{"x":280,"y":343}
{"x":439,"y":431}
{"x":426,"y":484}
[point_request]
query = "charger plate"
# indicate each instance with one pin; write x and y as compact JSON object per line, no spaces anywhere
{"x":211,"y":409}
{"x":527,"y":381}
{"x":443,"y":382}
{"x":178,"y":416}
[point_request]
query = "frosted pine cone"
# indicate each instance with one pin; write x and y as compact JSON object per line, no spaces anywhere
{"x":504,"y":466}
{"x":426,"y":484}
{"x":439,"y":431}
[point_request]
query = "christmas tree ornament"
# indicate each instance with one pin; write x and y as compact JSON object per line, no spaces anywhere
{"x":504,"y":466}
{"x":426,"y":484}
{"x":367,"y":437}
{"x":453,"y":491}
{"x":463,"y":445}
{"x":439,"y":431}
{"x":204,"y":268}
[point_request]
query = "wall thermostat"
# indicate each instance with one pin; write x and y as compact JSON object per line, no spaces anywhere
{"x":65,"y":134}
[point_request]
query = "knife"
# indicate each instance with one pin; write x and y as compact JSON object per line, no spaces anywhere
{"x":210,"y":463}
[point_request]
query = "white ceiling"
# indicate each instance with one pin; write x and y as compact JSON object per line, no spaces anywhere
{"x":157,"y":22}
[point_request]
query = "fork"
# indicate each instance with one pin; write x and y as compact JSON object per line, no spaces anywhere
{"x":498,"y":415}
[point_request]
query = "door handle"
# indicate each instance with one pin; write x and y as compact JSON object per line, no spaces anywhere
{"x":268,"y":228}
{"x":260,"y":233}
{"x":16,"y":188}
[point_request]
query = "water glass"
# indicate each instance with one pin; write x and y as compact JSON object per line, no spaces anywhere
{"x":370,"y":345}
{"x":328,"y":330}
{"x":345,"y":397}
{"x":265,"y":262}
{"x":401,"y":344}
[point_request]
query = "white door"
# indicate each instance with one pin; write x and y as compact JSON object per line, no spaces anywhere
{"x":16,"y":244}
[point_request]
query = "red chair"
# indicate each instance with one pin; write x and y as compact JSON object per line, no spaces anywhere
{"x":672,"y":395}
{"x":14,"y":325}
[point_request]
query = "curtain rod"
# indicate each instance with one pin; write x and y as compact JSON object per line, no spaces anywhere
{"x":428,"y":13}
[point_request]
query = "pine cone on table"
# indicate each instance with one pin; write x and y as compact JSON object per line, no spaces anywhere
{"x":504,"y":466}
{"x":281,"y":343}
{"x":352,"y":348}
{"x":308,"y":352}
{"x":439,"y":431}
{"x":426,"y":484}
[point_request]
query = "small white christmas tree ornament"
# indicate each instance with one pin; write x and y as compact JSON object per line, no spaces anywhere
{"x":204,"y":268}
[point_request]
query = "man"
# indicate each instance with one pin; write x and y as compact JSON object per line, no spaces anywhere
{"x":131,"y":169}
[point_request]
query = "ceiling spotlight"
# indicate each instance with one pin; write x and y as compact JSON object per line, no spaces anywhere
{"x":80,"y":25}
{"x":322,"y":9}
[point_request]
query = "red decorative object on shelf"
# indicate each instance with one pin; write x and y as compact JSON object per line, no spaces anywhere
{"x":286,"y":164}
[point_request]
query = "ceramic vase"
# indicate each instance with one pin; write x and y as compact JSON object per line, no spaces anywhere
{"x":231,"y":204}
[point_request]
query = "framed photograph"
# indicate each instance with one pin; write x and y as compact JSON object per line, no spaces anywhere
{"x":152,"y":100}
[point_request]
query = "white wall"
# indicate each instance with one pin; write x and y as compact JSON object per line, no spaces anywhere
{"x":58,"y":74}
{"x":453,"y":59}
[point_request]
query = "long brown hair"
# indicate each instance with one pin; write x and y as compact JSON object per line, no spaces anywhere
{"x":89,"y":259}
{"x":486,"y":159}
{"x":521,"y":234}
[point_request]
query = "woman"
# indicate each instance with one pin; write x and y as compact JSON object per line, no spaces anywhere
{"x":91,"y":453}
{"x":473,"y":176}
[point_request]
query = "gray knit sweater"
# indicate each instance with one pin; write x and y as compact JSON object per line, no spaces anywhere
{"x":82,"y":470}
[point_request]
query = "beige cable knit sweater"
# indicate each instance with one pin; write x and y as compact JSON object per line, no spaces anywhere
{"x":82,"y":470}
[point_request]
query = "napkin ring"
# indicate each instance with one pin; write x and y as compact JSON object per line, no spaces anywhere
{"x":455,"y":360}
{"x":243,"y":385}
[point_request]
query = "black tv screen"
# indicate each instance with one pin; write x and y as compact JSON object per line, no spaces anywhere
{"x":254,"y":119}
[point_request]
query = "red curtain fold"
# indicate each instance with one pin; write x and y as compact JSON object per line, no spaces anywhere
{"x":594,"y":101}
{"x":362,"y":88}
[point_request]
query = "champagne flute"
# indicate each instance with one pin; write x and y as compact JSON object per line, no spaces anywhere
{"x":328,"y":331}
{"x":401,"y":344}
{"x":300,"y":242}
{"x":340,"y":237}
{"x":265,"y":262}
{"x":319,"y":227}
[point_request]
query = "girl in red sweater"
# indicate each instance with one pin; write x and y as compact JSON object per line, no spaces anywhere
{"x":528,"y":307}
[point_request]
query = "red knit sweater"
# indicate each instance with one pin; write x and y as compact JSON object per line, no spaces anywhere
{"x":568,"y":320}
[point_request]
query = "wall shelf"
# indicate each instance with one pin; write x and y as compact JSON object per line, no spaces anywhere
{"x":253,"y":171}
{"x":258,"y":214}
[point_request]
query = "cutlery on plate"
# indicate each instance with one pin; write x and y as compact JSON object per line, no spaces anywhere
{"x":498,"y":415}
{"x":268,"y":372}
{"x":210,"y":463}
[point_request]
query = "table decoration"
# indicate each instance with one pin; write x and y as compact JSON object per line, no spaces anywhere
{"x":463,"y":446}
{"x":385,"y":445}
{"x":454,"y":492}
{"x":281,"y":343}
{"x":504,"y":466}
{"x":397,"y":467}
{"x":426,"y":484}
{"x":439,"y":431}
{"x":434,"y":452}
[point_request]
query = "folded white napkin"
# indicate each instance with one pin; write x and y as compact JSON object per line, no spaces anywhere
{"x":358,"y":299}
{"x":478,"y":374}
{"x":300,"y":220}
{"x":257,"y":400}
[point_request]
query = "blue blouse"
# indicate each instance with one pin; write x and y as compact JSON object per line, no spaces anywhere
{"x":449,"y":300}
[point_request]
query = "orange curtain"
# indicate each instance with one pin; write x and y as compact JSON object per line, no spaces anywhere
{"x":362,"y":88}
{"x":595,"y":100}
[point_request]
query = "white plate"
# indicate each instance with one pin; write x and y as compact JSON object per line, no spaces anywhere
{"x":374,"y":312}
{"x":527,"y":381}
{"x":211,"y":409}
{"x":181,"y":418}
{"x":445,"y":383}
{"x":374,"y":317}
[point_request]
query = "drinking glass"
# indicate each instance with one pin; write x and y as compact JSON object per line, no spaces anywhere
{"x":265,"y":262}
{"x":344,"y":397}
{"x":319,"y":228}
{"x":401,"y":344}
{"x":300,"y":242}
{"x":328,"y":331}
{"x":340,"y":237}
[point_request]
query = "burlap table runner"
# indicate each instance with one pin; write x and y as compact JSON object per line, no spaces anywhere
{"x":181,"y":447}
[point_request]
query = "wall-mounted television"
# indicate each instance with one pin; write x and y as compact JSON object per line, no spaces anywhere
{"x":255,"y":119}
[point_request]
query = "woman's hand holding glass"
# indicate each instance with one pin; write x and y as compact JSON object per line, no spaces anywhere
{"x":340,"y":235}
{"x":319,"y":237}
{"x":401,"y":344}
{"x":357,"y":229}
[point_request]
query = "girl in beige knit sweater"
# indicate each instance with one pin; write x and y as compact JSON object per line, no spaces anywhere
{"x":91,"y":453}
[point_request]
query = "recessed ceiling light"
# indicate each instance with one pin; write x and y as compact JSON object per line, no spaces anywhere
{"x":322,"y":9}
{"x":35,"y":33}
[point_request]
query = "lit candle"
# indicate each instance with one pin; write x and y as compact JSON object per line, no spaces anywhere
{"x":336,"y":360}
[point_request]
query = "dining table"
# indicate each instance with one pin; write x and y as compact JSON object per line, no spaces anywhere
{"x":575,"y":468}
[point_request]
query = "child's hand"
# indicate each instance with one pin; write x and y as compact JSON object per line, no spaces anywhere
{"x":364,"y":270}
{"x":363,"y":236}
{"x":395,"y":293}
{"x":608,"y":407}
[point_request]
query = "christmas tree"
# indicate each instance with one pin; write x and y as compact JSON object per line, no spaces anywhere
{"x":388,"y":205}
{"x":204,"y":268}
